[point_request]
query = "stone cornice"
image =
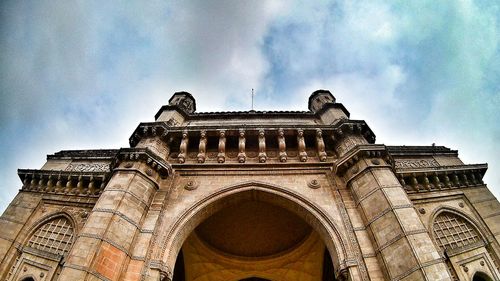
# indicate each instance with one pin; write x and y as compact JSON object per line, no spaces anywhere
{"x":420,"y":150}
{"x":443,"y":169}
{"x":355,"y":154}
{"x":105,"y":154}
{"x":427,"y":179}
{"x":147,"y":156}
{"x":63,"y":182}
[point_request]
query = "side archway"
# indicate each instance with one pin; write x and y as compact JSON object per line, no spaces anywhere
{"x":317,"y":218}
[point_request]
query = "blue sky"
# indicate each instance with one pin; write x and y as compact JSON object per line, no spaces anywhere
{"x":83,"y":74}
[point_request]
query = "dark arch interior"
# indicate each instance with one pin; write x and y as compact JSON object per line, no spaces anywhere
{"x":254,"y":279}
{"x":479,"y":276}
{"x":28,"y":279}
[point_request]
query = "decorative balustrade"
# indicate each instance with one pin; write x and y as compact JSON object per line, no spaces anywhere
{"x":443,"y":177}
{"x":63,"y":182}
{"x":251,"y":144}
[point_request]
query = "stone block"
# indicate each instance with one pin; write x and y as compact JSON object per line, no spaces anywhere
{"x":423,"y":247}
{"x":109,"y":261}
{"x":416,"y":275}
{"x":150,"y":220}
{"x":385,"y":177}
{"x":409,"y":219}
{"x":133,"y":272}
{"x":132,"y":208}
{"x":83,"y":251}
{"x":396,"y":196}
{"x":142,"y":188}
{"x":97,"y":223}
{"x":386,"y":228}
{"x":363,"y":184}
{"x":373,"y":267}
{"x":355,"y":217}
{"x":365,"y":242}
{"x":437,"y":272}
{"x":141,"y":244}
{"x":121,"y":232}
{"x":374,"y":205}
{"x":110,"y":199}
{"x":72,"y":274}
{"x":399,"y":258}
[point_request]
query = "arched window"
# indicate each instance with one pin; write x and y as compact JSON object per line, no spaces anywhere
{"x":54,"y":236}
{"x":452,"y":231}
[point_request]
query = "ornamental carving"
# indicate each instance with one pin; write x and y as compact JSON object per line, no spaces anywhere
{"x":416,"y":163}
{"x":88,"y":167}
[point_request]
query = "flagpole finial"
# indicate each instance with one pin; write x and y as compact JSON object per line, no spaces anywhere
{"x":252,"y":98}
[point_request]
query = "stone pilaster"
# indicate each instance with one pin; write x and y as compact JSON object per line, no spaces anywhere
{"x":400,"y":241}
{"x":103,"y":248}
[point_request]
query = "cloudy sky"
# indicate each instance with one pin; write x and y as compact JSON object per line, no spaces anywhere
{"x":83,"y":74}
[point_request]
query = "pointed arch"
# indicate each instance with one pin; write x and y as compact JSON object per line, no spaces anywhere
{"x":457,"y":220}
{"x":335,"y":242}
{"x":53,"y":233}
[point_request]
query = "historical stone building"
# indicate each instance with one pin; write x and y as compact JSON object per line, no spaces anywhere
{"x":252,"y":195}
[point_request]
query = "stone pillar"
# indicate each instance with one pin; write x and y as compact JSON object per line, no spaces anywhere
{"x":241,"y":147}
{"x":400,"y":240}
{"x":183,"y":147}
{"x":302,"y":146}
{"x":202,"y":148}
{"x":321,"y":146}
{"x":103,"y":248}
{"x":282,"y":145}
{"x":262,"y":147}
{"x":221,"y":157}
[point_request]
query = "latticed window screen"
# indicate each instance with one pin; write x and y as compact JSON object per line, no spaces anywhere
{"x":452,"y":231}
{"x":54,"y":236}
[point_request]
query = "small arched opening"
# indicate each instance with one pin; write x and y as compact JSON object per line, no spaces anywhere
{"x":28,"y":279}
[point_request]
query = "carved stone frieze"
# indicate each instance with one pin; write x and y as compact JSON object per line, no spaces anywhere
{"x":415,"y":163}
{"x":88,"y":167}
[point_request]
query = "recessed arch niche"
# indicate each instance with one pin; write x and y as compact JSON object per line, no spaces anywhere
{"x":301,"y":223}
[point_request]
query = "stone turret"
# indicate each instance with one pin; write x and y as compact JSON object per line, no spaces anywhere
{"x":180,"y":105}
{"x":184,"y":101}
{"x":322,"y":102}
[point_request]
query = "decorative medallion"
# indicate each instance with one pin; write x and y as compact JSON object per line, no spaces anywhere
{"x":129,"y":165}
{"x":149,"y":172}
{"x":375,"y":161}
{"x":421,"y":210}
{"x":461,"y":204}
{"x":191,"y":185}
{"x":314,"y":184}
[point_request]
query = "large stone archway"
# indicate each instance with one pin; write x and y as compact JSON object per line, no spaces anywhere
{"x":320,"y":222}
